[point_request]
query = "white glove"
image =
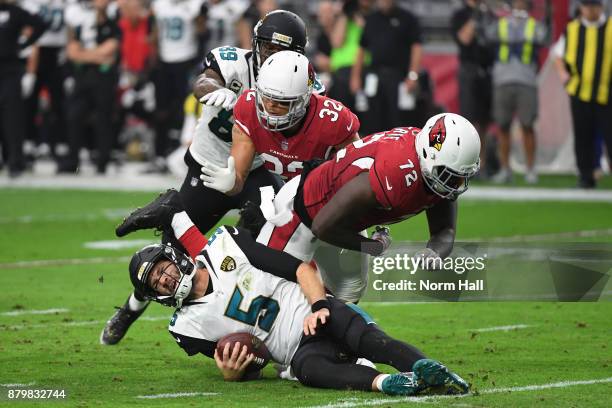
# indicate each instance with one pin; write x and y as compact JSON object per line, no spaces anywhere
{"x":382,"y":235}
{"x":221,"y":97}
{"x":429,"y":259}
{"x":27,"y":84}
{"x":219,"y":178}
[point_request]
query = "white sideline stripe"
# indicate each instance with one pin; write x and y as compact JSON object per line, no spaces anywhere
{"x":178,"y":395}
{"x":375,"y":402}
{"x":34,"y":312}
{"x":64,"y":262}
{"x":502,"y":328}
{"x":18,"y":385}
{"x":74,"y":324}
{"x":538,"y":194}
{"x":542,"y":237}
{"x":105,"y":214}
{"x":116,"y":244}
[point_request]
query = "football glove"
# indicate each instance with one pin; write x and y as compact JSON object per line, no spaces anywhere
{"x":429,"y":259}
{"x":222,"y":97}
{"x":219,"y":178}
{"x":382,"y":235}
{"x":27,"y":84}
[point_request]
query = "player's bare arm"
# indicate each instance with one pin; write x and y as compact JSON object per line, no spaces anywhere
{"x":207,"y":82}
{"x":442,"y":220}
{"x":243,"y":151}
{"x":333,"y":223}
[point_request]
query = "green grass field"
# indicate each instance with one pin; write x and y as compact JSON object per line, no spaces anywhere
{"x":46,"y":263}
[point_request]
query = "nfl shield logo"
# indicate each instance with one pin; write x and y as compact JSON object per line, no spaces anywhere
{"x":194,"y":182}
{"x":284,"y":145}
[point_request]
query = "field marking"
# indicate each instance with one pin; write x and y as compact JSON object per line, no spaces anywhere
{"x":384,"y":401}
{"x":538,"y":194}
{"x":18,"y":385}
{"x":502,"y":328}
{"x":542,"y":237}
{"x":64,"y":262}
{"x":178,"y":395}
{"x":116,"y":244}
{"x":105,"y":214}
{"x":34,"y":312}
{"x":74,"y":324}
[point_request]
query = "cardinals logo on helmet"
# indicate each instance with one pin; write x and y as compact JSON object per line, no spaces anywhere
{"x":437,"y":134}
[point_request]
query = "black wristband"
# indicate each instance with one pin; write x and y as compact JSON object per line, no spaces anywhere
{"x":320,"y":304}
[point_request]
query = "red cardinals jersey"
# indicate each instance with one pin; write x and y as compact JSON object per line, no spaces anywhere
{"x":328,"y":123}
{"x":395,"y":176}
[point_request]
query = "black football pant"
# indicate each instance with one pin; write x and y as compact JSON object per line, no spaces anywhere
{"x":206,"y":206}
{"x":171,"y":88}
{"x":12,"y":115}
{"x":51,"y":75}
{"x":590,"y":118}
{"x":94,"y":95}
{"x":327,"y":359}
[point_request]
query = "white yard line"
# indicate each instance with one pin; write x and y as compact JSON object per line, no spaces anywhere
{"x":178,"y":395}
{"x":116,"y":244}
{"x":34,"y":312}
{"x":537,"y":194}
{"x":543,"y":237}
{"x":389,"y":401}
{"x":502,"y":328}
{"x":74,"y":324}
{"x":64,"y":262}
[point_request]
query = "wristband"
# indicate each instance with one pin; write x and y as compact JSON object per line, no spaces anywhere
{"x":320,"y":304}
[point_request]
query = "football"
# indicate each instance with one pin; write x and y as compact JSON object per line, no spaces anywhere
{"x":254,"y":344}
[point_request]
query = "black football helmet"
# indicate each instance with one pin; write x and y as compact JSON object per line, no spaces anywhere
{"x":278,"y":30}
{"x":143,"y":262}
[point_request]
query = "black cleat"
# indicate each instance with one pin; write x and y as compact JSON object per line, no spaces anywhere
{"x":119,"y":324}
{"x":157,"y":214}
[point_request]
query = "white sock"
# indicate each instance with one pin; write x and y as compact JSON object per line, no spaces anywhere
{"x":380,"y":380}
{"x":135,"y":305}
{"x":181,"y":223}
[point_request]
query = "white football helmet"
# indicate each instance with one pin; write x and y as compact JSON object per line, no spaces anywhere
{"x":448,"y":147}
{"x":285,"y":77}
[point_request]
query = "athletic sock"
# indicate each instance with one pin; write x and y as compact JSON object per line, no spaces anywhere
{"x":380,"y":380}
{"x":136,"y":305}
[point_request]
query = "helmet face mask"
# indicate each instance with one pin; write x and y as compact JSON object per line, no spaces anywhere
{"x":278,"y":30}
{"x":448,"y":147}
{"x":283,"y":90}
{"x":143,"y":264}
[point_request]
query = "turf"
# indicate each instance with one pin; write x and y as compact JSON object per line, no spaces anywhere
{"x":562,"y":341}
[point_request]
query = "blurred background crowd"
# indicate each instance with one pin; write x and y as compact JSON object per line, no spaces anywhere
{"x":106,"y":82}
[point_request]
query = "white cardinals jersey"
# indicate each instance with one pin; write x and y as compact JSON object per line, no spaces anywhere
{"x":176,"y":28}
{"x":52,"y":12}
{"x":221,"y":21}
{"x":212,"y":139}
{"x":244,"y":298}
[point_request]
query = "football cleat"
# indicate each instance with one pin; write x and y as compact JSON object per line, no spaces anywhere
{"x":157,"y":214}
{"x":400,"y":384}
{"x":119,"y":324}
{"x":432,"y":377}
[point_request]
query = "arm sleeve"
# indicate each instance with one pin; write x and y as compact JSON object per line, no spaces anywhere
{"x":269,"y":260}
{"x":210,"y":62}
{"x":193,"y":346}
{"x":416,"y":34}
{"x":377,"y":182}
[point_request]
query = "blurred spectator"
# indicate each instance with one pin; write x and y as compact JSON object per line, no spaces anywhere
{"x":393,"y":38}
{"x":475,"y":60}
{"x":177,"y":26}
{"x":327,"y":15}
{"x":93,"y":49}
{"x":256,"y":11}
{"x":13,"y":20}
{"x":47,"y":65}
{"x":344,"y":40}
{"x":517,"y":39}
{"x":584,"y":63}
{"x":221,"y":22}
